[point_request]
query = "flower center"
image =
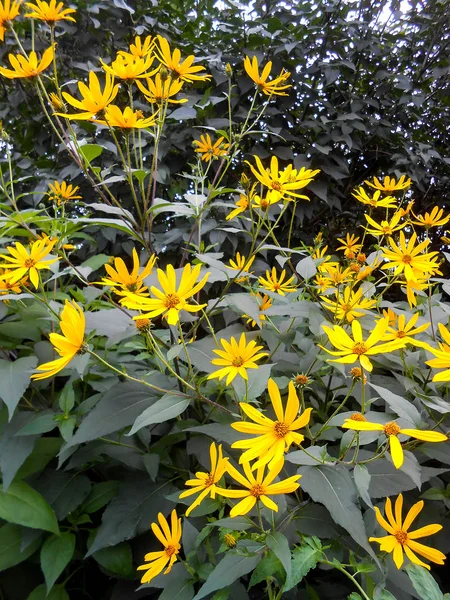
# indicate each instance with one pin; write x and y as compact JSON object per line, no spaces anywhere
{"x":346,"y":308}
{"x":172,"y":300}
{"x":407,"y":259}
{"x":357,"y":417}
{"x":391,"y":428}
{"x":264,"y":204}
{"x":276,"y":286}
{"x":29,"y":263}
{"x":170,"y":550}
{"x":359,"y":348}
{"x":209,"y":480}
{"x":280,"y":429}
{"x":386,"y":229}
{"x":401,"y":334}
{"x":301,"y":379}
{"x":238,"y":361}
{"x":401,"y":537}
{"x":131,"y":287}
{"x":276,"y":185}
{"x":257,"y":490}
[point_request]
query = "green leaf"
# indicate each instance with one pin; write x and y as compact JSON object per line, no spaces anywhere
{"x":41,"y":423}
{"x":362,"y":481}
{"x":63,"y":491}
{"x":168,"y":407}
{"x":178,"y":589}
{"x":56,"y":553}
{"x":268,"y":566}
{"x":21,"y":504}
{"x":15,"y":377}
{"x":354,"y":596}
{"x":401,"y":406}
{"x":67,"y":399}
{"x":424,"y":583}
{"x":382,"y":594}
{"x":304,"y":558}
{"x":101,"y":494}
{"x":14,"y":450}
{"x":230,"y":568}
{"x":44,"y":450}
{"x":279,"y":545}
{"x":57,"y":593}
{"x":10,"y":546}
{"x":116,"y":559}
{"x":91,"y":151}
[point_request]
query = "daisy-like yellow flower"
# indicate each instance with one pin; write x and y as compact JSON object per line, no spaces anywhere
{"x":392,"y":430}
{"x":126,"y":119}
{"x":171,"y":299}
{"x":205,"y":483}
{"x":5,"y":286}
{"x":274,"y":438}
{"x":236,"y":358}
{"x":385,"y":227}
{"x":337,"y":274}
{"x":157,"y":90}
{"x":282,"y":183}
{"x":8,"y":12}
{"x":141,"y":49}
{"x":186,"y":70}
{"x":275,"y":283}
{"x":350,"y":245}
{"x":413,"y":287}
{"x":389,"y":184}
{"x":94,"y":101}
{"x":400,"y":329}
{"x":320,"y":254}
{"x":264,"y":302}
{"x":44,"y":236}
{"x":323,"y":282}
{"x":23,"y":262}
{"x":348,"y":305}
{"x":67,"y":345}
{"x":350,"y":350}
{"x":404,"y":212}
{"x":265,"y":202}
{"x":368,"y":270}
{"x":433,"y":219}
{"x":407,"y":258}
{"x":374,"y":201}
{"x":442,"y":354}
{"x":399,"y":539}
{"x":50,"y":12}
{"x":23,"y":67}
{"x":208,"y":150}
{"x":241,"y":264}
{"x":62,"y":192}
{"x":257,"y":487}
{"x":129,"y":67}
{"x":170,"y":539}
{"x":123,"y":281}
{"x":241,"y":206}
{"x":273,"y":87}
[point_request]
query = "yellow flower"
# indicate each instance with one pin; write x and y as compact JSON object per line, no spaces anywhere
{"x":258,"y":487}
{"x":350,"y":245}
{"x":50,"y":12}
{"x":400,"y":539}
{"x":349,"y":305}
{"x":210,"y":150}
{"x":170,"y":539}
{"x":44,"y":236}
{"x":407,"y":258}
{"x":171,"y":299}
{"x":389,"y":184}
{"x":129,"y":67}
{"x":21,"y":262}
{"x":442,"y":354}
{"x":241,"y":264}
{"x":350,"y":350}
{"x":281,"y":183}
{"x":8,"y":12}
{"x":159,"y":91}
{"x":405,"y":211}
{"x":273,"y":283}
{"x":433,"y":219}
{"x":263,"y":203}
{"x":323,"y":282}
{"x":357,"y":374}
{"x":55,"y":102}
{"x":23,"y":67}
{"x":126,"y":119}
{"x":67,"y":345}
{"x":320,"y":254}
{"x":385,"y":227}
{"x":62,"y":192}
{"x":337,"y":274}
{"x":275,"y":86}
{"x":236,"y":358}
{"x":241,"y":206}
{"x":412,"y":287}
{"x":139,"y":49}
{"x":374,"y":201}
{"x":5,"y":286}
{"x":274,"y":438}
{"x":205,"y":483}
{"x":123,"y":281}
{"x":400,"y":329}
{"x":185,"y":70}
{"x":264,"y":302}
{"x":392,"y":430}
{"x":94,"y":99}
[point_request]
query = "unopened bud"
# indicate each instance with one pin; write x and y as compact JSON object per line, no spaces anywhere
{"x":229,"y":71}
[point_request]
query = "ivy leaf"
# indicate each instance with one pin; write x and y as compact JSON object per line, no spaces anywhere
{"x":21,"y":504}
{"x":56,"y":553}
{"x":230,"y":568}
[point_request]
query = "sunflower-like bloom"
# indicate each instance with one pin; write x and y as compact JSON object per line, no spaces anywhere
{"x":264,"y":302}
{"x":274,"y":87}
{"x":126,"y":119}
{"x":265,"y":202}
{"x":257,"y":487}
{"x":349,"y":245}
{"x":337,"y":274}
{"x":158,"y":90}
{"x":171,"y":299}
{"x":433,"y":219}
{"x":129,"y":67}
{"x":392,"y":430}
{"x":209,"y":150}
{"x":205,"y":483}
{"x":23,"y":262}
{"x":141,"y":49}
{"x":170,"y":539}
{"x":241,"y":264}
{"x":274,"y":438}
{"x":94,"y":101}
{"x":67,"y":345}
{"x":275,"y":283}
{"x":123,"y":281}
{"x":23,"y":67}
{"x":49,"y":12}
{"x":241,"y":206}
{"x":350,"y":350}
{"x":8,"y":12}
{"x":320,"y":254}
{"x":348,"y":305}
{"x":185,"y":70}
{"x":282,"y":183}
{"x":236,"y":358}
{"x":442,"y":354}
{"x":62,"y":192}
{"x":400,"y":329}
{"x":374,"y":201}
{"x":9,"y":288}
{"x":385,"y":227}
{"x":413,"y":289}
{"x":400,"y":539}
{"x":407,"y":258}
{"x":390,"y":184}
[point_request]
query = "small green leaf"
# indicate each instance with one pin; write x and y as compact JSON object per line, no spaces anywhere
{"x":21,"y":504}
{"x":269,"y":566}
{"x":230,"y":568}
{"x":116,"y":559}
{"x":279,"y":545}
{"x":304,"y":558}
{"x":168,"y":407}
{"x":354,"y":596}
{"x":10,"y":546}
{"x":91,"y":151}
{"x":56,"y":553}
{"x":57,"y":593}
{"x":67,"y":399}
{"x":424,"y":583}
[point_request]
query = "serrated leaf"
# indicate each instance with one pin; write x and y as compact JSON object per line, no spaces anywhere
{"x":268,"y":566}
{"x":15,"y":377}
{"x":230,"y":568}
{"x":168,"y":407}
{"x":22,"y":505}
{"x":279,"y":545}
{"x":304,"y":559}
{"x":424,"y":583}
{"x":56,"y":553}
{"x":11,"y":553}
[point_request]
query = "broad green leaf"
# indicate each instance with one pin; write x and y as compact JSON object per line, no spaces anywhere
{"x":10,"y":546}
{"x":57,"y":593}
{"x":91,"y":151}
{"x":21,"y":504}
{"x":382,"y":594}
{"x":230,"y":568}
{"x":178,"y":589}
{"x":306,"y":268}
{"x":279,"y":545}
{"x":15,"y":377}
{"x":401,"y":406}
{"x":168,"y":407}
{"x":41,"y":423}
{"x":362,"y":482}
{"x":63,"y":491}
{"x":67,"y":398}
{"x":116,"y":559}
{"x":101,"y":494}
{"x":14,"y":449}
{"x":304,"y":559}
{"x":268,"y":566}
{"x":56,"y":553}
{"x":424,"y":583}
{"x":44,"y":450}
